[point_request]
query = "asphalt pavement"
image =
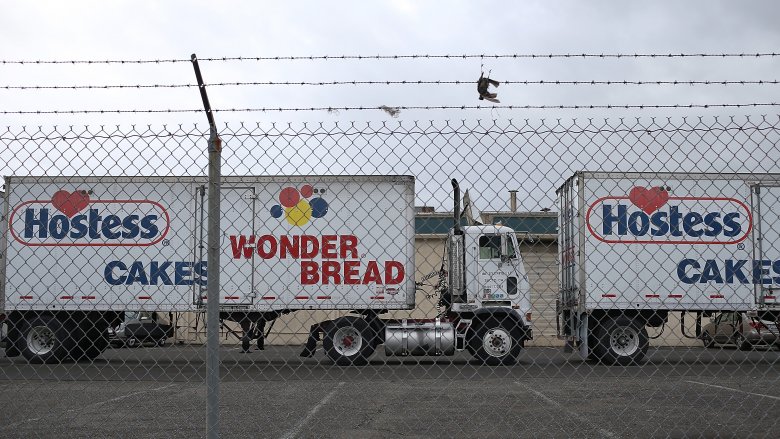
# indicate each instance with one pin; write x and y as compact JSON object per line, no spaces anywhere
{"x":160,"y":392}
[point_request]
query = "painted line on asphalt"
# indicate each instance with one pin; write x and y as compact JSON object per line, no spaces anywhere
{"x":734,"y":390}
{"x":556,"y":404}
{"x":96,"y":404}
{"x":297,"y":429}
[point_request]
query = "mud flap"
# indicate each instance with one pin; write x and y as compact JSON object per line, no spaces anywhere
{"x":582,"y":334}
{"x":314,"y":336}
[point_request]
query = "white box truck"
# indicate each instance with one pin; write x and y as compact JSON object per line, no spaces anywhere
{"x":635,"y":247}
{"x":80,"y":251}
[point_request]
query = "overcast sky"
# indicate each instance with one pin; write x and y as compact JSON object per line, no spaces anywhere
{"x":131,"y":30}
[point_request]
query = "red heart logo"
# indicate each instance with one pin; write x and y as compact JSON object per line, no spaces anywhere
{"x":649,"y":200}
{"x":70,"y":203}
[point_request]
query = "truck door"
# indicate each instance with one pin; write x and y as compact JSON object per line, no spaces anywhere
{"x":766,"y":243}
{"x":491,"y":276}
{"x":237,"y":241}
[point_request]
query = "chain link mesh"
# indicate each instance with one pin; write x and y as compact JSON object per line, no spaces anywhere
{"x":612,"y":278}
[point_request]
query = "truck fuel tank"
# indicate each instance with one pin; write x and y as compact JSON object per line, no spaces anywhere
{"x":420,"y":337}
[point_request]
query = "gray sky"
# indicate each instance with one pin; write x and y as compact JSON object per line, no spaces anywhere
{"x":97,"y":30}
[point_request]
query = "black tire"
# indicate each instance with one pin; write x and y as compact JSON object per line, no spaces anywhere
{"x":161,"y":342}
{"x":342,"y":336}
{"x":132,"y":342}
{"x":496,"y":342}
{"x":742,"y":344}
{"x":621,"y":341}
{"x":94,"y":343}
{"x":46,"y":340}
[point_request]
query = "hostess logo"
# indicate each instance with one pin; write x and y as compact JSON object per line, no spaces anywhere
{"x":72,"y":219}
{"x":652,"y":216}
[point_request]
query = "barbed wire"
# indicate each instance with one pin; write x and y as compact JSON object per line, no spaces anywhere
{"x":387,"y":128}
{"x":385,"y":108}
{"x":396,"y":82}
{"x":398,"y":57}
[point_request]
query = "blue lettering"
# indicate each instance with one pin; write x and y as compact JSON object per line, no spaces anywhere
{"x":137,"y":274}
{"x":150,"y":229}
{"x":710,"y":273}
{"x":674,"y":221}
{"x":109,"y":224}
{"x":682,"y":267}
{"x":638,"y":223}
{"x":130,"y":223}
{"x":159,"y":271}
{"x":609,"y":218}
{"x":776,"y":269}
{"x":660,"y":225}
{"x":731,"y":227}
{"x":78,"y":227}
{"x":58,"y":226}
{"x":734,"y":268}
{"x":200,"y":271}
{"x":183,"y":271}
{"x":108,"y":273}
{"x":690,"y":221}
{"x":31,"y":221}
{"x":759,"y":272}
{"x":713,"y":225}
{"x":94,"y":219}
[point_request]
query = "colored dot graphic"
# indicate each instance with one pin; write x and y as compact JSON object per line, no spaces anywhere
{"x":297,"y":206}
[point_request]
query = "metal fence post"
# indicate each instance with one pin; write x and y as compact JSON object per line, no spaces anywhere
{"x":212,"y":283}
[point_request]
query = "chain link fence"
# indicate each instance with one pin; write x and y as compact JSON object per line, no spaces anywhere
{"x":446,"y":268}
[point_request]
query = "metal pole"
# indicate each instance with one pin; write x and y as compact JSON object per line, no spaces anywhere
{"x":212,"y":277}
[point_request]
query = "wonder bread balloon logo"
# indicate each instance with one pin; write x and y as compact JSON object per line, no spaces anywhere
{"x":298,"y":207}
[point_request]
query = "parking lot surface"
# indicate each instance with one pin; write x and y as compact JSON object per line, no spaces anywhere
{"x":160,"y":392}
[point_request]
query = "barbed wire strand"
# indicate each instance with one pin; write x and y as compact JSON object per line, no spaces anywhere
{"x":399,"y":57}
{"x":385,"y":108}
{"x":395,"y":82}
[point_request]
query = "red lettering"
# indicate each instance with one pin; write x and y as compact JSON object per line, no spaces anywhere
{"x":261,"y":251}
{"x":372,"y":273}
{"x":286,"y":246}
{"x":392,"y":278}
{"x":330,"y":270}
{"x":309,"y":273}
{"x":329,"y":246}
{"x":349,"y":247}
{"x":351,"y":273}
{"x":239,"y":246}
{"x":308,"y":252}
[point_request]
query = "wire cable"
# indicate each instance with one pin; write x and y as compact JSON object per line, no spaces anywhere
{"x":400,"y":57}
{"x":384,"y":108}
{"x":394,"y":82}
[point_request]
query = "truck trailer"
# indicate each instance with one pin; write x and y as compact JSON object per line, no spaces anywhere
{"x":79,"y":252}
{"x":636,"y":247}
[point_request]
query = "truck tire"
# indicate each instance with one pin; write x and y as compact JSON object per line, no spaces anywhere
{"x":496,"y":342}
{"x":621,"y":341}
{"x":707,"y":340}
{"x":348,"y":341}
{"x":92,"y":344}
{"x":47,"y":340}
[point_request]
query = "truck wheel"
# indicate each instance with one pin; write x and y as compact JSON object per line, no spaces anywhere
{"x":46,"y":340}
{"x":132,"y":342}
{"x":348,"y":341}
{"x":161,"y":342}
{"x":93,"y":344}
{"x":497,"y":342}
{"x":622,"y":342}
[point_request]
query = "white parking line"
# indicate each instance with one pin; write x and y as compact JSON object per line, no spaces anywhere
{"x":552,"y":402}
{"x":734,"y":390}
{"x":96,"y":404}
{"x":297,"y":429}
